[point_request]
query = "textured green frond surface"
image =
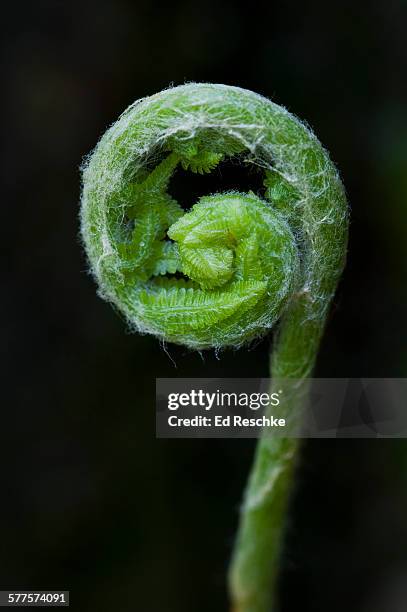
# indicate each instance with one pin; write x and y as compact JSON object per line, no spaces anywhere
{"x":228,"y":244}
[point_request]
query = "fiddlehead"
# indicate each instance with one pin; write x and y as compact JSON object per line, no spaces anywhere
{"x":228,"y":270}
{"x":230,"y":263}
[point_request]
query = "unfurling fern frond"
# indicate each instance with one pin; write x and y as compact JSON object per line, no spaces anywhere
{"x":229,"y":269}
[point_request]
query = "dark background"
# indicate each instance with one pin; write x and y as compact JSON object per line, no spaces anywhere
{"x":90,"y":500}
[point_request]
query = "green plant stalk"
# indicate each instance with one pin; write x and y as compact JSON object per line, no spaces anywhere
{"x":227,"y":271}
{"x":255,"y":564}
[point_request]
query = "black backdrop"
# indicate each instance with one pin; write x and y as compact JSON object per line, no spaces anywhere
{"x":90,"y":501}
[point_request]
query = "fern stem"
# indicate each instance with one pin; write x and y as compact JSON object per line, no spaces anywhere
{"x":255,"y":564}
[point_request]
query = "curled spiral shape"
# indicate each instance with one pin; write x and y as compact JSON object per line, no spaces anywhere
{"x":224,"y":272}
